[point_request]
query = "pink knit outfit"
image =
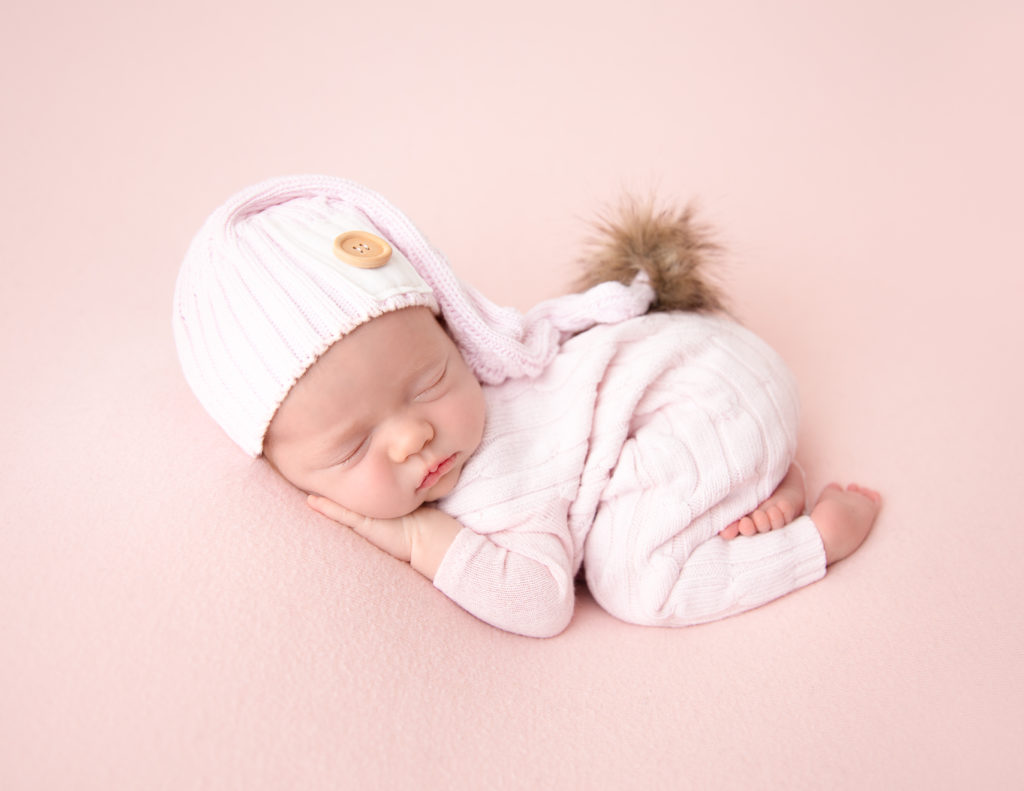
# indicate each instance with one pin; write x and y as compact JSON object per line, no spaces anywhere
{"x":635,"y":446}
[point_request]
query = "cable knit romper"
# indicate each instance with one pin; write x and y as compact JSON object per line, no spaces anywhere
{"x":638,"y":442}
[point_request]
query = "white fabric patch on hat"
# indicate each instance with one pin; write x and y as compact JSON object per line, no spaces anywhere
{"x":312,"y":243}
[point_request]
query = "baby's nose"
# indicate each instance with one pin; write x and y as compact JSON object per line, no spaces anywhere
{"x":409,"y":436}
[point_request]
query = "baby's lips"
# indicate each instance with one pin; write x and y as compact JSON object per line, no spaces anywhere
{"x":437,"y":472}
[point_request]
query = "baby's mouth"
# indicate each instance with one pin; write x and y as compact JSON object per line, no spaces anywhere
{"x":435,"y":474}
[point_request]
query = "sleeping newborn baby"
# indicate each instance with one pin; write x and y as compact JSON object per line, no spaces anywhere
{"x":631,"y":430}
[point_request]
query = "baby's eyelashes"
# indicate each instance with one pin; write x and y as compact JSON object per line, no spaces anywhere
{"x":435,"y":385}
{"x":351,"y":452}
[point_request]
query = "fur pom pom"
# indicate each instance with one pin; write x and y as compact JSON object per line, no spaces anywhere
{"x":668,"y":245}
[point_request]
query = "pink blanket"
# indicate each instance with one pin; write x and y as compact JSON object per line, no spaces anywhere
{"x":172,"y":616}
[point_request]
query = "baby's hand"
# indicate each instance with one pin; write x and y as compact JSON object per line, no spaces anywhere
{"x":420,"y":538}
{"x":394,"y":536}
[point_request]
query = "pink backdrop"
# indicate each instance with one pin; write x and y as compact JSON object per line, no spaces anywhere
{"x":171,"y":616}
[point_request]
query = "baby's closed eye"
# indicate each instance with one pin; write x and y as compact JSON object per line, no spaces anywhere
{"x":351,"y":451}
{"x":435,"y":384}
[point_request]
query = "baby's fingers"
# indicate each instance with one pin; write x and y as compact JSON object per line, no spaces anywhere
{"x":332,"y":510}
{"x":387,"y":534}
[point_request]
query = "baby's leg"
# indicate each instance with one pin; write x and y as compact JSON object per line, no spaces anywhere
{"x":785,"y":505}
{"x":844,"y":518}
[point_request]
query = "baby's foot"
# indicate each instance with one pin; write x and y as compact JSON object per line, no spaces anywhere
{"x":785,"y":504}
{"x":844,"y":518}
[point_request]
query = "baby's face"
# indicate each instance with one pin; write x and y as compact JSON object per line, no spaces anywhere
{"x":384,"y":421}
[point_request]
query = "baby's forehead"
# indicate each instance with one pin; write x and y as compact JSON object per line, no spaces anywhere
{"x":385,"y":353}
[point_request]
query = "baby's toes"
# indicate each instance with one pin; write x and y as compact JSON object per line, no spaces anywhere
{"x":871,"y":494}
{"x":762,"y":521}
{"x":747,"y":527}
{"x":730,"y":532}
{"x":777,"y":517}
{"x":790,"y":511}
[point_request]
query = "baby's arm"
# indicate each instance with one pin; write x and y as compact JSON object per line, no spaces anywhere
{"x":421,"y":538}
{"x":528,"y":590}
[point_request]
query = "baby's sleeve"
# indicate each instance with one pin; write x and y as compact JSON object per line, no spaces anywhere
{"x":521,"y":582}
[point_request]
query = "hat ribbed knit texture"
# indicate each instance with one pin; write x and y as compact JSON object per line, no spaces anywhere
{"x":260,"y":297}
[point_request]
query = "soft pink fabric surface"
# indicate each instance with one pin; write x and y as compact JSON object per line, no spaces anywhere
{"x":171,"y":615}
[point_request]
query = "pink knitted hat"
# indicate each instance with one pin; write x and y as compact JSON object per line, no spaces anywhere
{"x":261,"y":295}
